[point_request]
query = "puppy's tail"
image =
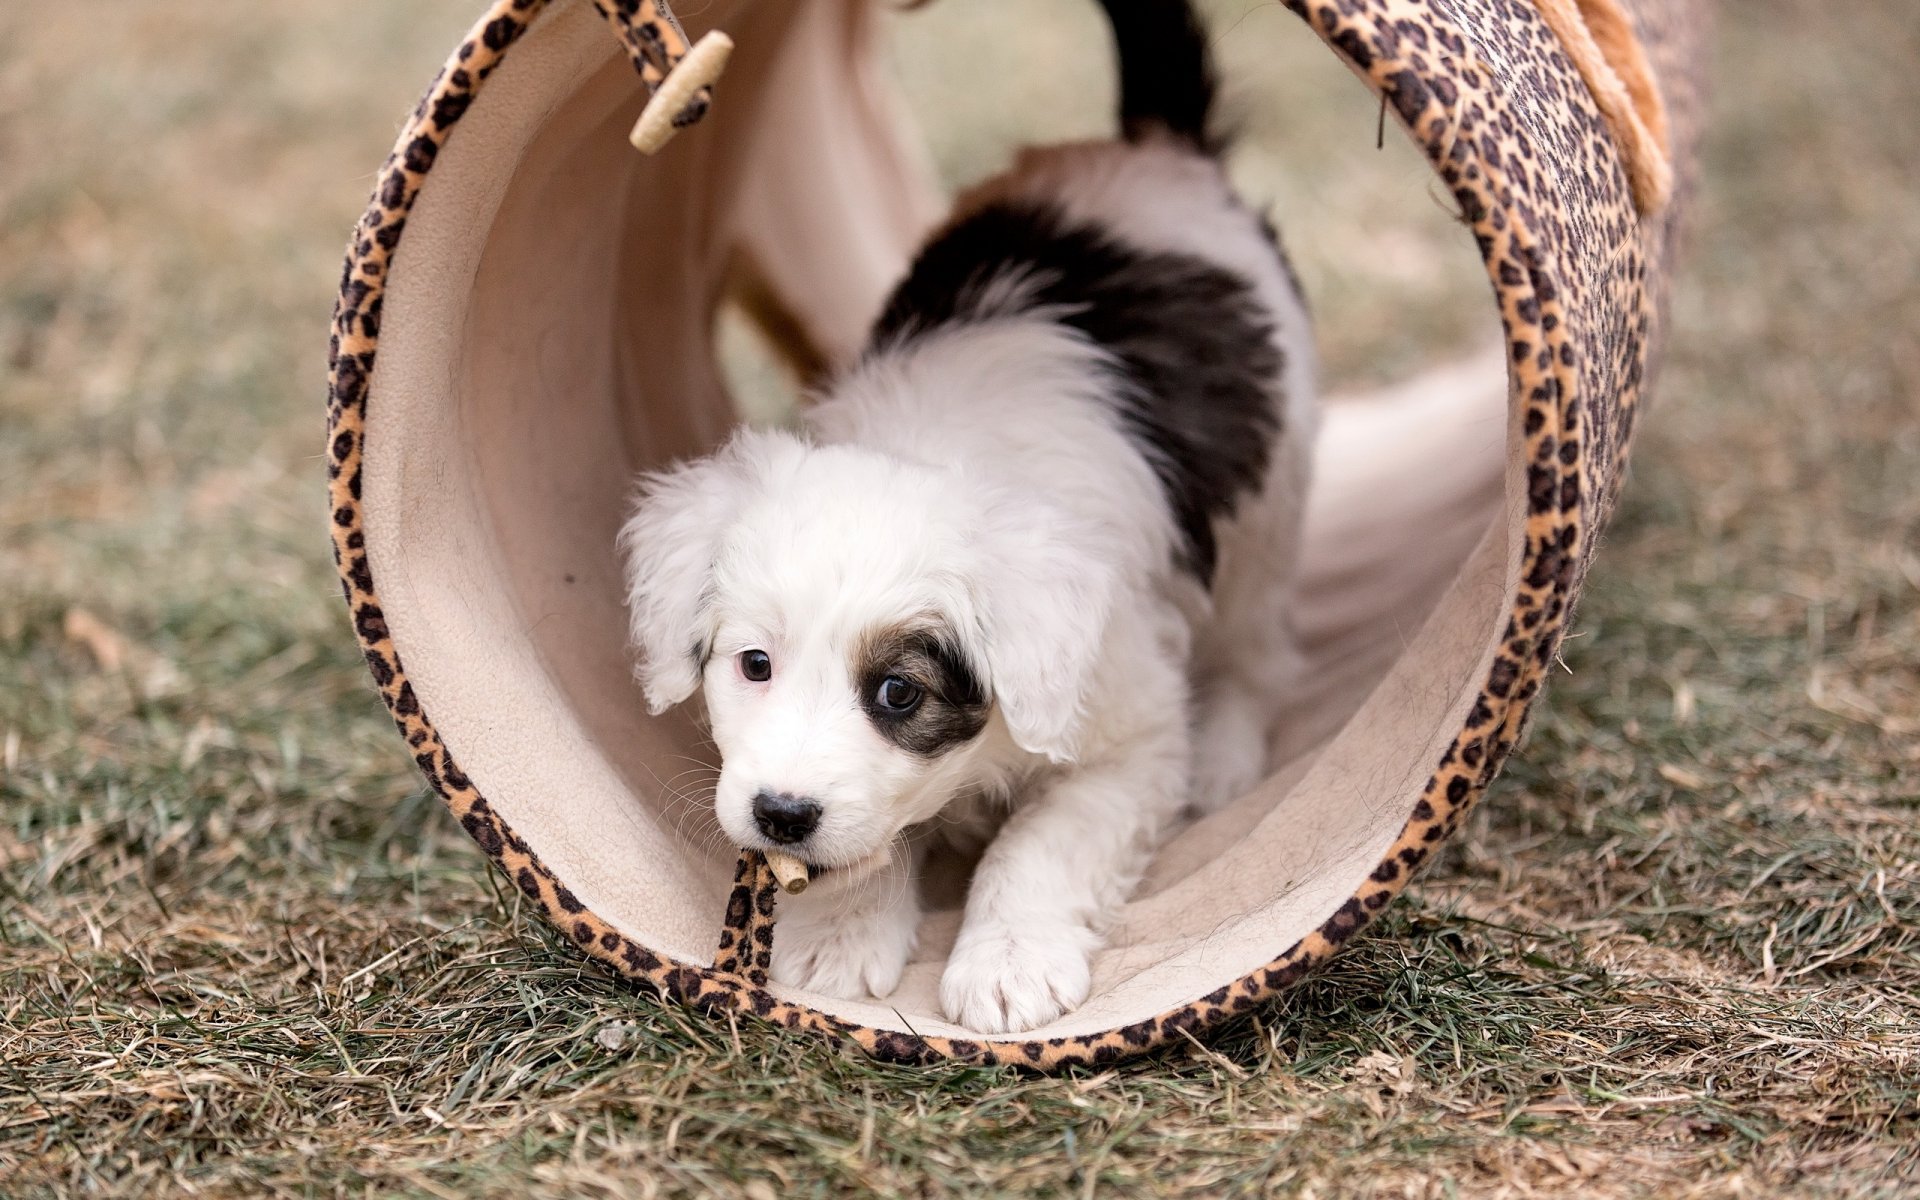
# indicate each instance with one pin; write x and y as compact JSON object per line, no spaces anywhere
{"x":1166,"y":72}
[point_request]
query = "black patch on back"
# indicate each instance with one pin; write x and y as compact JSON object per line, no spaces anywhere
{"x":953,"y":707}
{"x":1194,"y":346}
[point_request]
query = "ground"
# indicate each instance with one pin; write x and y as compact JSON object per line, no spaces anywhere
{"x":242,"y":951}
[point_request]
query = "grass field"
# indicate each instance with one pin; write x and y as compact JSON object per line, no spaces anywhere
{"x":243,"y":952}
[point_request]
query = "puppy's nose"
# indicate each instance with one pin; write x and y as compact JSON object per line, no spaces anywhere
{"x":785,"y":819}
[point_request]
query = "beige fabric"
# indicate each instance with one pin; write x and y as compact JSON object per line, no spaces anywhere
{"x":496,"y":477}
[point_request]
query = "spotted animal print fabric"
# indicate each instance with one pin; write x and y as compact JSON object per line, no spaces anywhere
{"x":1578,"y":275}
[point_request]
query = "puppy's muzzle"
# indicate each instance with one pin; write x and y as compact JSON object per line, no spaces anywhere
{"x":785,"y":819}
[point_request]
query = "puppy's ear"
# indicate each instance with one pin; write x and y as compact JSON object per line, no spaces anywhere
{"x":670,"y":544}
{"x":1043,"y":594}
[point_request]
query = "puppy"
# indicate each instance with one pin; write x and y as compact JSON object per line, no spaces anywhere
{"x":1023,"y":577}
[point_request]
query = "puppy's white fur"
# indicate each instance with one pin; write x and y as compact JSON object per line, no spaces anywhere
{"x":975,"y":478}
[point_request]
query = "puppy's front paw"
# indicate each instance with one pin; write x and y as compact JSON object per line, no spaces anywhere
{"x":1005,"y":980}
{"x":848,"y":955}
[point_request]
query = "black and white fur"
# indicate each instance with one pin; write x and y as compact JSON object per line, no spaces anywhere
{"x":1024,"y":577}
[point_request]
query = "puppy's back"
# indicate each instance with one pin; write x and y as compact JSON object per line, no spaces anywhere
{"x":1172,"y":293}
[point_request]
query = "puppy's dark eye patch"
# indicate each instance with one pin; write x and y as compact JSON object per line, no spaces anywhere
{"x":918,"y":689}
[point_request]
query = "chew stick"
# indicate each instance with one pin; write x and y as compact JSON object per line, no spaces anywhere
{"x":792,"y":874}
{"x":673,"y":101}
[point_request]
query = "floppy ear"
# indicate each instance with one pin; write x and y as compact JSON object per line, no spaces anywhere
{"x":1043,"y":593}
{"x":669,"y":545}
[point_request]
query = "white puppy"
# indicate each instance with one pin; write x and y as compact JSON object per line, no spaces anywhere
{"x":1024,"y":575}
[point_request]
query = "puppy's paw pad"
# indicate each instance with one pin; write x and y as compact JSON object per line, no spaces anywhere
{"x":850,"y":958}
{"x":1008,"y":981}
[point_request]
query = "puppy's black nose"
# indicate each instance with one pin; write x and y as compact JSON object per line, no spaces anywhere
{"x":785,"y":819}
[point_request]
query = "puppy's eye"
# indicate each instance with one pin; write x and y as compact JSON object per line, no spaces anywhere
{"x":755,"y":666}
{"x":897,"y":695}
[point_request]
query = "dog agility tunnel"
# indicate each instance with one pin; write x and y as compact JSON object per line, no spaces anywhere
{"x":526,"y":320}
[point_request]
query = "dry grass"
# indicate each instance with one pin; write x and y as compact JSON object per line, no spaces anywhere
{"x":241,"y":952}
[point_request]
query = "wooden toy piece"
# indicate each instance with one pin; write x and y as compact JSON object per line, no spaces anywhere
{"x":682,"y":97}
{"x":792,"y":874}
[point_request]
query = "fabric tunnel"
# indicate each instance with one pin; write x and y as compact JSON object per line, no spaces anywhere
{"x":526,"y":321}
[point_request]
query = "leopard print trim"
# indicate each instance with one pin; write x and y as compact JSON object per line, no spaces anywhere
{"x":746,"y":936}
{"x":1485,"y":90}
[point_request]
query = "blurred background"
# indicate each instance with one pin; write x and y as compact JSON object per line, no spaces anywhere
{"x":242,"y":949}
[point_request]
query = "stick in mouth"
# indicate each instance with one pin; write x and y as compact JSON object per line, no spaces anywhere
{"x":792,"y":874}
